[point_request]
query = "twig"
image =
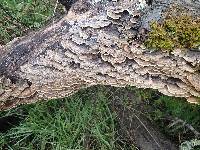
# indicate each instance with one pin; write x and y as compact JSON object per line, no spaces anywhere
{"x":142,"y":125}
{"x":147,"y":130}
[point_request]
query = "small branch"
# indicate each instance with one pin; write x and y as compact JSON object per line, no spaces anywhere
{"x":147,"y":130}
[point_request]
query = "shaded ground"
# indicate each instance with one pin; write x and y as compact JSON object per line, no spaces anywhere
{"x":174,"y":117}
{"x":139,"y":129}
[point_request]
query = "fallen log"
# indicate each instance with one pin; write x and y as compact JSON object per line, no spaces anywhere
{"x":97,"y":42}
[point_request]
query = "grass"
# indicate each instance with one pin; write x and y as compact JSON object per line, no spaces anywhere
{"x":19,"y":16}
{"x":83,"y":121}
{"x":168,"y":110}
{"x":163,"y":111}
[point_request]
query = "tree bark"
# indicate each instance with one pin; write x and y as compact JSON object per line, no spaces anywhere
{"x":97,"y":42}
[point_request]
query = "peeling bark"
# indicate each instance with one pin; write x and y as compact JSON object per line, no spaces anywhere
{"x":97,"y":42}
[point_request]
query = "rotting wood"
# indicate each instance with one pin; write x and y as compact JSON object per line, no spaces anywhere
{"x":97,"y":42}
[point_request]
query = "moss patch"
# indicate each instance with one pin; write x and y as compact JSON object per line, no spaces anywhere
{"x":174,"y":32}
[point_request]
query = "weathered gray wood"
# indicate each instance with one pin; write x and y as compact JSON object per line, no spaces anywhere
{"x":97,"y":42}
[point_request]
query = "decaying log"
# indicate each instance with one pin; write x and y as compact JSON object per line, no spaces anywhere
{"x":97,"y":42}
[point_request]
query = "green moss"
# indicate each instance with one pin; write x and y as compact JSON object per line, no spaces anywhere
{"x":174,"y":32}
